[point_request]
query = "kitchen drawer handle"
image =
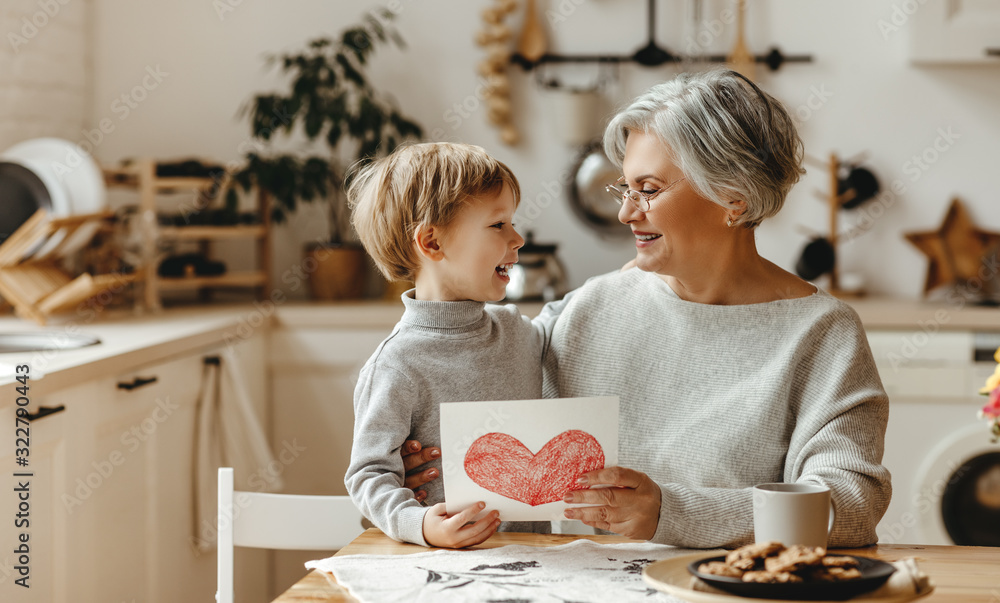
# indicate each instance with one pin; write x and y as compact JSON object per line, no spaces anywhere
{"x":136,"y":383}
{"x":44,"y":411}
{"x":993,"y":52}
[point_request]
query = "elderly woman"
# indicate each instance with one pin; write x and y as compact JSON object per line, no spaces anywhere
{"x":730,"y":371}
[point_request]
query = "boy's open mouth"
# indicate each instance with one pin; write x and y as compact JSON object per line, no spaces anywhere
{"x":504,"y":269}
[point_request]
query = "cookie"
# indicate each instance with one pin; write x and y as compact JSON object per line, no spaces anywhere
{"x":794,"y":558}
{"x":718,"y":568}
{"x":837,"y":561}
{"x":746,"y":557}
{"x":834,"y":574}
{"x":771,"y":577}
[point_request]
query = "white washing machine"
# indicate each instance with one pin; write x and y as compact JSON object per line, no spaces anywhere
{"x":945,"y":471}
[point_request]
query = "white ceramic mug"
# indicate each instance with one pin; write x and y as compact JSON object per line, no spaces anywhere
{"x":792,"y":514}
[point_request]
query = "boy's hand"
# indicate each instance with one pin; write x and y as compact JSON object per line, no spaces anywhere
{"x":414,"y":455}
{"x":443,"y":530}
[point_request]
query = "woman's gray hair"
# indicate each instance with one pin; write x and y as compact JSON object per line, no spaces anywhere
{"x":731,"y":139}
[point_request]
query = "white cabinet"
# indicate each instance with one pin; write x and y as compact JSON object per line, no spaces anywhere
{"x":53,"y":461}
{"x":926,"y":365}
{"x":142,"y":437}
{"x":112,"y":507}
{"x":313,"y":374}
{"x":949,"y":31}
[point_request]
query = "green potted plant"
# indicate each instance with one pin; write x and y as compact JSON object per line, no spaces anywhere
{"x":332,"y":102}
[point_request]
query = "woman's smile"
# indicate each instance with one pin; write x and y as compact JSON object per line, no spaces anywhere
{"x":645,"y":239}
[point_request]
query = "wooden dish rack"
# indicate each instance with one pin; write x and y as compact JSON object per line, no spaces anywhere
{"x":40,"y":288}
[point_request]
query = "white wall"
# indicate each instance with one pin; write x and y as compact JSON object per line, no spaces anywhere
{"x":44,"y":69}
{"x":867,"y":97}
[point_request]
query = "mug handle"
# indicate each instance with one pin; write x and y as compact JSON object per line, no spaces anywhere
{"x":833,"y":516}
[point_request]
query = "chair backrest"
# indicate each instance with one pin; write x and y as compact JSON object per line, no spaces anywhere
{"x":278,"y":521}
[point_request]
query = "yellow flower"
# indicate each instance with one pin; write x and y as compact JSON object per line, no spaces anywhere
{"x":992,"y":382}
{"x":996,"y":355}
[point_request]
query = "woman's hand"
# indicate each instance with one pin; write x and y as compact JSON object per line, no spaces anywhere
{"x":415,"y":456}
{"x":456,"y":531}
{"x":630,"y":507}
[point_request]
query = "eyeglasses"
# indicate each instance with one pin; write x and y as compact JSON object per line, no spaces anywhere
{"x":639,"y":199}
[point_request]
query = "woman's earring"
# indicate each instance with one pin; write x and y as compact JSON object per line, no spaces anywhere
{"x":729,"y":222}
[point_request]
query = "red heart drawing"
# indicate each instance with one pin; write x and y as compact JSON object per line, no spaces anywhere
{"x":502,"y":464}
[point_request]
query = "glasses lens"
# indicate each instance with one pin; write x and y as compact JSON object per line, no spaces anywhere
{"x":618,"y":190}
{"x":639,"y":200}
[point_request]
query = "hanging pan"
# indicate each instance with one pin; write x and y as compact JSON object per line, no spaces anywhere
{"x":595,"y":207}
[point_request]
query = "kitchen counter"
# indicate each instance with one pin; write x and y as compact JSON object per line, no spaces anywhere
{"x":875,"y":313}
{"x":360,"y":314}
{"x":959,"y":573}
{"x":128,"y":341}
{"x":888,"y":313}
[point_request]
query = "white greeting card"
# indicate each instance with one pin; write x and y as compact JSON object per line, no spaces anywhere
{"x":521,"y":456}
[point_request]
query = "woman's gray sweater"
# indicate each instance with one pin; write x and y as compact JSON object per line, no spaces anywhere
{"x":715,"y":399}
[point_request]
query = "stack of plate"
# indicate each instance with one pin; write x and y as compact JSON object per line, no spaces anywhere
{"x":55,"y":175}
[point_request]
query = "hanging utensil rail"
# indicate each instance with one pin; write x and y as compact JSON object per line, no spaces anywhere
{"x":653,"y":55}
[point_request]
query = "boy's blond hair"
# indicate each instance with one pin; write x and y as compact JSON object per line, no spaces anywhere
{"x":419,"y":185}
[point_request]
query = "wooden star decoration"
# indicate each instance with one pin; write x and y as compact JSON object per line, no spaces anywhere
{"x":956,"y":250}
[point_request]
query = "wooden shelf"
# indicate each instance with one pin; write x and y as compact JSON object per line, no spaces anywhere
{"x":130,"y":177}
{"x":231,"y":279}
{"x":172,"y":184}
{"x":141,"y":176}
{"x":197,"y":233}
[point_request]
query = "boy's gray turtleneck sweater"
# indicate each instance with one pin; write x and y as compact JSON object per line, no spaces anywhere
{"x":439,"y":352}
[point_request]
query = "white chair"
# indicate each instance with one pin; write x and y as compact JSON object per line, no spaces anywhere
{"x":278,"y":521}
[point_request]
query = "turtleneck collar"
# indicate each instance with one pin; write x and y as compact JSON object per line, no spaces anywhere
{"x":440,"y":314}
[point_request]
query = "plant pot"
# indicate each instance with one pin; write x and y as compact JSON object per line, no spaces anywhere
{"x":336,"y":272}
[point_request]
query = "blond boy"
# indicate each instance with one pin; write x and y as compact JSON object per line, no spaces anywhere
{"x":440,"y":215}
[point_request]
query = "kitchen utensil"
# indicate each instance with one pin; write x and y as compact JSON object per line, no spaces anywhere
{"x":792,"y":514}
{"x":741,"y":59}
{"x":532,"y":44}
{"x":856,"y":187}
{"x":652,"y":54}
{"x":692,"y":47}
{"x":79,"y":178}
{"x":874,"y":573}
{"x":818,"y":258}
{"x":538,"y":274}
{"x":591,"y":172}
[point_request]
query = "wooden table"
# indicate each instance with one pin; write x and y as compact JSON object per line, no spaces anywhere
{"x":960,"y":574}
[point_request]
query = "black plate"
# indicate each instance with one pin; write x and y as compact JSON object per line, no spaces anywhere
{"x":874,"y":573}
